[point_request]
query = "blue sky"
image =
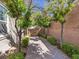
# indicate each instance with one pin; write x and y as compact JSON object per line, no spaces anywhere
{"x":39,"y":3}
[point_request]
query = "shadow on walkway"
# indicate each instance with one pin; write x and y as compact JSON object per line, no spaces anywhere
{"x":41,"y":49}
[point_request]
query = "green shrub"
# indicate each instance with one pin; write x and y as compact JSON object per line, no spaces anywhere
{"x":52,"y":40}
{"x":18,"y":55}
{"x":70,"y":49}
{"x":25,"y":41}
{"x":11,"y":56}
{"x":75,"y":56}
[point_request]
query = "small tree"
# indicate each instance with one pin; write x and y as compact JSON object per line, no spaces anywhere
{"x":16,"y":10}
{"x":43,"y":20}
{"x":59,"y":9}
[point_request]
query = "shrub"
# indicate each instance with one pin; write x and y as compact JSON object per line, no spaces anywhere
{"x":75,"y":56}
{"x":25,"y":41}
{"x":70,"y":49}
{"x":52,"y":40}
{"x":18,"y":55}
{"x":11,"y":56}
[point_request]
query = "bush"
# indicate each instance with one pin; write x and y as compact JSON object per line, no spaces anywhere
{"x":70,"y":49}
{"x":25,"y":41}
{"x":52,"y":40}
{"x":18,"y":55}
{"x":75,"y":56}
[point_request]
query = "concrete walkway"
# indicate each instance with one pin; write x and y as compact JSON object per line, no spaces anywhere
{"x":4,"y":44}
{"x":41,"y":49}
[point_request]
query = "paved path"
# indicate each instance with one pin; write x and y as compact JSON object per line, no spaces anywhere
{"x":4,"y":44}
{"x":41,"y":49}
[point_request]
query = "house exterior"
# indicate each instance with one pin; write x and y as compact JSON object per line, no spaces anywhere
{"x":7,"y":24}
{"x":2,"y":18}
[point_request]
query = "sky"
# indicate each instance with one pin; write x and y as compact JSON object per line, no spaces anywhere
{"x":40,"y":3}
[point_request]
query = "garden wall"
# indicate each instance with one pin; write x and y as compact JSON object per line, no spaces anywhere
{"x":71,"y":27}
